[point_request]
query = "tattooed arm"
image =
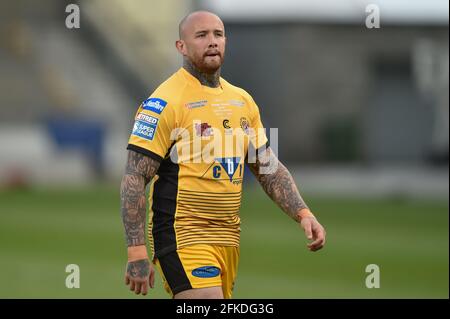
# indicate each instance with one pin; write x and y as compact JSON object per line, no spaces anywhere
{"x":279,"y":185}
{"x":139,"y":171}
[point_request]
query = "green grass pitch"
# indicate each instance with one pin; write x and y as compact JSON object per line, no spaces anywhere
{"x":42,"y":231}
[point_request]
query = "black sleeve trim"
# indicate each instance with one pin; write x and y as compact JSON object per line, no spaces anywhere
{"x":144,"y":151}
{"x":264,"y":147}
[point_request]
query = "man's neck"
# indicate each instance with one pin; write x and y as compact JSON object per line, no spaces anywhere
{"x":208,"y":79}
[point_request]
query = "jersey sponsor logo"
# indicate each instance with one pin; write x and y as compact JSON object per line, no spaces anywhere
{"x":226,"y":123}
{"x":227,"y":128}
{"x":229,"y":165}
{"x":145,"y":126}
{"x":206,"y":272}
{"x":197,"y":104}
{"x":203,"y":129}
{"x":147,"y":118}
{"x":154,"y":104}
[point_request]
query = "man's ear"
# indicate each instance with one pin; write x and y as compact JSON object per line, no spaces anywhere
{"x":181,"y":47}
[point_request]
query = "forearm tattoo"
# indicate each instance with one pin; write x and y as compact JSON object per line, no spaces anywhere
{"x":278,"y":183}
{"x":139,"y":171}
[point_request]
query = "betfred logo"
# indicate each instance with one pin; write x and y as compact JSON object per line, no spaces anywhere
{"x":154,"y":104}
{"x":147,"y":118}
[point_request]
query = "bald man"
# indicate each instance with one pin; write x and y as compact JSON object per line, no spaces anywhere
{"x":195,"y":197}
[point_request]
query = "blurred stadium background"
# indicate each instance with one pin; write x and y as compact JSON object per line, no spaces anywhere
{"x":362,"y":117}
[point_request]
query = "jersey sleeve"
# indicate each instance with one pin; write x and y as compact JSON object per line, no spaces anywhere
{"x":153,"y":124}
{"x":258,"y":138}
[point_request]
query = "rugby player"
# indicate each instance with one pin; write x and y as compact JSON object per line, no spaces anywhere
{"x":194,"y":222}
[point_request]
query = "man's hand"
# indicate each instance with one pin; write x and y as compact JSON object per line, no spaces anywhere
{"x":139,"y":275}
{"x":140,"y":272}
{"x":313,"y":230}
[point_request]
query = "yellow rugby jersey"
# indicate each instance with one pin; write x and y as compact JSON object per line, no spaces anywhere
{"x":201,"y":136}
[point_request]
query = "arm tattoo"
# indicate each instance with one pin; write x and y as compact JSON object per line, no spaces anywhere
{"x":211,"y":80}
{"x":139,"y":268}
{"x":139,"y":171}
{"x":278,"y":183}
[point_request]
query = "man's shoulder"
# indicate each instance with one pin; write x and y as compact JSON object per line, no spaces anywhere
{"x":171,"y":85}
{"x":170,"y":90}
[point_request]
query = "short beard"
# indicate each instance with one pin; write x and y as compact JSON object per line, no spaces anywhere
{"x":203,"y":67}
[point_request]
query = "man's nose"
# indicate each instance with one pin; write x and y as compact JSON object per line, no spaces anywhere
{"x":212,"y":42}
